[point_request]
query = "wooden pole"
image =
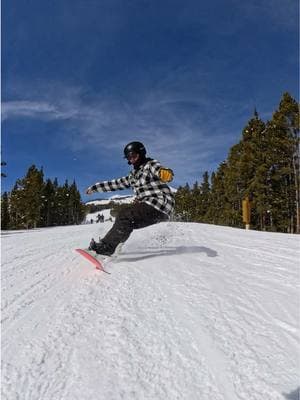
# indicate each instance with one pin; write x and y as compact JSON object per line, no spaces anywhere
{"x":246,"y":206}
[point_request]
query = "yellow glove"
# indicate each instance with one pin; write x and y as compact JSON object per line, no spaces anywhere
{"x":165,"y":174}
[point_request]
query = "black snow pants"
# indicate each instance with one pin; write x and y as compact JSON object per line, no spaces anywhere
{"x":134,"y":216}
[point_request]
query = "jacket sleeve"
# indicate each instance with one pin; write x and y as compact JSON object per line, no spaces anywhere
{"x":162,"y":173}
{"x":114,"y":184}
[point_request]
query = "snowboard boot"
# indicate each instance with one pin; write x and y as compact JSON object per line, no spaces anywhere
{"x":100,"y":248}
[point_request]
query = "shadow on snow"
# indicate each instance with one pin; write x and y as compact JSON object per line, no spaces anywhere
{"x":169,"y":251}
{"x":295,"y":395}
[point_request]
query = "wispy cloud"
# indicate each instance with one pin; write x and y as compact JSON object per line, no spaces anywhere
{"x":178,"y":127}
{"x":35,"y":109}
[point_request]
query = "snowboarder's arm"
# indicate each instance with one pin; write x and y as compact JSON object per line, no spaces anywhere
{"x":109,"y":186}
{"x":164,"y":174}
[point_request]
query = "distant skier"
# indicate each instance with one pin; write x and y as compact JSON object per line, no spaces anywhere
{"x":154,"y":199}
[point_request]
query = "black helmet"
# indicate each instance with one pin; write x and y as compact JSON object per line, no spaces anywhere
{"x":136,"y":147}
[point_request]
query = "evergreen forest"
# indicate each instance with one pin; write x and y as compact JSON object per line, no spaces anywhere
{"x":35,"y":202}
{"x":263,"y":167}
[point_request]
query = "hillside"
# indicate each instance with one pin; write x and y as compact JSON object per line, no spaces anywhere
{"x":189,"y":311}
{"x":117,"y":199}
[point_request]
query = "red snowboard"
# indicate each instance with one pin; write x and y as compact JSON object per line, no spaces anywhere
{"x":93,"y":259}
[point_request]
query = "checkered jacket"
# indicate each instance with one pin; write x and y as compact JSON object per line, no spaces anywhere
{"x":146,"y":185}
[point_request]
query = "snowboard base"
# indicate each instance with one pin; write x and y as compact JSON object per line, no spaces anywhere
{"x":96,"y":261}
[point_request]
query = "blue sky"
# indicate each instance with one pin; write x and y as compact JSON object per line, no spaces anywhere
{"x":82,"y":78}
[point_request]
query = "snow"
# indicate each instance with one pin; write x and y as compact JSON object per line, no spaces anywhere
{"x":93,"y":216}
{"x":118,"y":199}
{"x":189,"y":311}
{"x":126,"y":199}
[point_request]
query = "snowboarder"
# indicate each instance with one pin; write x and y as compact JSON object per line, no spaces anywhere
{"x":154,"y":199}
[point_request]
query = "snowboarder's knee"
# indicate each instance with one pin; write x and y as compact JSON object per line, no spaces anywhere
{"x":124,"y":212}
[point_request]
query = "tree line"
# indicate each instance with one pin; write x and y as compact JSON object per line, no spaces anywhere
{"x":35,"y":202}
{"x":263,"y":166}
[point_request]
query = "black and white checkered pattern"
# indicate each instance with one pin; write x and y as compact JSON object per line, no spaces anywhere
{"x":146,"y":185}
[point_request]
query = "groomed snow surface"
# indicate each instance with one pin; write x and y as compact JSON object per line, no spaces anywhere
{"x":189,"y":311}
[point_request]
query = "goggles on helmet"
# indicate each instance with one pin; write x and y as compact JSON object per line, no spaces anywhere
{"x":131,"y":154}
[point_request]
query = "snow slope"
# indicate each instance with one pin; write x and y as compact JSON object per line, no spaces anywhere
{"x":126,"y":199}
{"x":93,"y":216}
{"x":189,"y":311}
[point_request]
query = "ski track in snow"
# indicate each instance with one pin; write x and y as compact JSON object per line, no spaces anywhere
{"x":189,"y":311}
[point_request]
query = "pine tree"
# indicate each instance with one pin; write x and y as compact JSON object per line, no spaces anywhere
{"x":47,"y":210}
{"x":205,"y":196}
{"x":283,"y":158}
{"x":219,"y":206}
{"x":17,"y":206}
{"x":183,"y":210}
{"x":67,"y":212}
{"x":56,"y":204}
{"x":200,"y":199}
{"x":5,"y":217}
{"x":32,"y":197}
{"x":62,"y":204}
{"x":234,"y":185}
{"x":243,"y":160}
{"x":75,"y":205}
{"x":193,"y":203}
{"x":253,"y":170}
{"x":287,"y":119}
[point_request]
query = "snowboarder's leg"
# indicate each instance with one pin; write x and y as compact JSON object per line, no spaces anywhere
{"x":138,"y":215}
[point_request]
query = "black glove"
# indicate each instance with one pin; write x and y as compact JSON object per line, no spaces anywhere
{"x":91,"y":189}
